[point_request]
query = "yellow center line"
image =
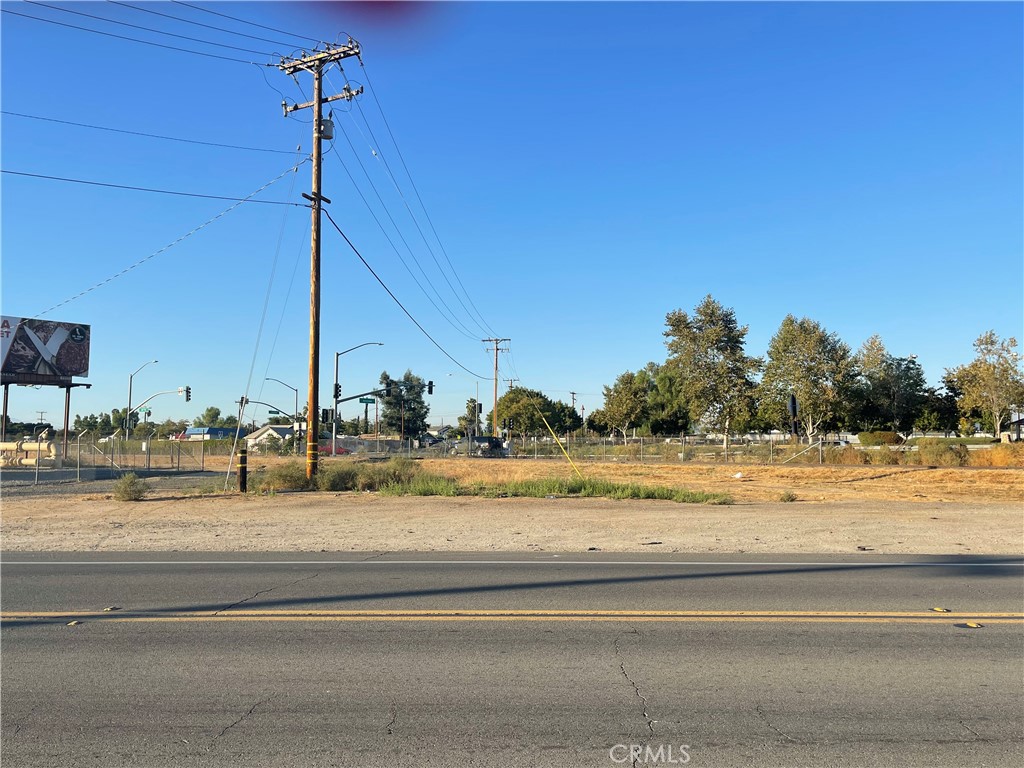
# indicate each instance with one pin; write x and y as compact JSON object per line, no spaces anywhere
{"x":521,"y":615}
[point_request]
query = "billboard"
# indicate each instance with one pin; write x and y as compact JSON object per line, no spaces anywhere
{"x":42,"y":351}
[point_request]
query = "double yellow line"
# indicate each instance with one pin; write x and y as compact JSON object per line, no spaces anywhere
{"x":238,"y":614}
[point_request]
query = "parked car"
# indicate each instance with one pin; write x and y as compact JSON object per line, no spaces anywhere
{"x":489,"y":447}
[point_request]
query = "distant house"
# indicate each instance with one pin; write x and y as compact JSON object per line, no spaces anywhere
{"x":210,"y":433}
{"x":257,"y":441}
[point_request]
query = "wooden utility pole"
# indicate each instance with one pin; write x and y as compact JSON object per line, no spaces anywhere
{"x":494,"y":413}
{"x":315,"y":63}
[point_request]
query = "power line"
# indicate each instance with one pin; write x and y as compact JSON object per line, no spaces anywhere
{"x":395,"y":298}
{"x":465,"y":331}
{"x":174,"y":243}
{"x":148,"y":135}
{"x":391,"y":242}
{"x":243,"y":21}
{"x":374,"y":145}
{"x":144,"y":29}
{"x":197,"y":23}
{"x":401,"y":157}
{"x":133,"y":39}
{"x":148,"y":189}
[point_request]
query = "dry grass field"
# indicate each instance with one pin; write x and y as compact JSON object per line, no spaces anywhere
{"x":827,"y":509}
{"x":755,"y":483}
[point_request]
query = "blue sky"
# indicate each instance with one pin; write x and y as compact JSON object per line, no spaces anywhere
{"x":589,"y":168}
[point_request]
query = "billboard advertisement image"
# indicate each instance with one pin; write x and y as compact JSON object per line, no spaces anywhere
{"x":36,"y":351}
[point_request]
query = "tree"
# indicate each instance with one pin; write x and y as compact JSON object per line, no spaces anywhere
{"x":892,"y":389}
{"x":597,"y":422}
{"x":939,"y":412}
{"x":992,"y":383}
{"x":806,"y":360}
{"x":469,"y":422}
{"x":525,"y":407}
{"x":209,"y":418}
{"x":715,"y":375}
{"x":667,"y":409}
{"x":625,"y":402}
{"x":563,"y":417}
{"x":404,"y":411}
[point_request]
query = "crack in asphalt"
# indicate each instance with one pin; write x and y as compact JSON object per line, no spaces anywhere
{"x":769,"y":724}
{"x":232,"y":725}
{"x":393,"y":711}
{"x":374,"y":556}
{"x":263,"y":592}
{"x":965,"y":725}
{"x":636,"y":689}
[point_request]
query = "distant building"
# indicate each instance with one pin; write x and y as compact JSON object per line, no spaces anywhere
{"x":257,"y":441}
{"x":211,"y":433}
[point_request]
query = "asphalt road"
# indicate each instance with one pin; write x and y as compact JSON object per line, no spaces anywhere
{"x":532,"y":660}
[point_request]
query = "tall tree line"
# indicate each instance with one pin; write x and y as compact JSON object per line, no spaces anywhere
{"x":709,"y":383}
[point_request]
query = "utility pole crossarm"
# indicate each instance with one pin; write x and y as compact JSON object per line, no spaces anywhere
{"x":320,"y":59}
{"x":346,"y":93}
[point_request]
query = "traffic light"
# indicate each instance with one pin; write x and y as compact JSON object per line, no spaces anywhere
{"x":337,"y":391}
{"x":188,"y":394}
{"x":511,"y":424}
{"x":504,"y":423}
{"x":430,"y":387}
{"x":479,"y":408}
{"x":325,"y":415}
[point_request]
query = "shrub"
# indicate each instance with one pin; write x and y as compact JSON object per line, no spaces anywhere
{"x":1002,"y":455}
{"x":422,"y":485}
{"x":334,"y":477}
{"x":282,"y":477}
{"x":787,"y":497}
{"x":373,"y":476}
{"x":846,"y":455}
{"x":879,"y":438}
{"x":130,"y":487}
{"x":935,"y":453}
{"x":885,"y":455}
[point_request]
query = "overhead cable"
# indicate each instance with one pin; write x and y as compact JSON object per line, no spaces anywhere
{"x":452,"y":319}
{"x":198,"y":23}
{"x":401,"y":157}
{"x":147,"y":135}
{"x":148,"y":189}
{"x":374,"y":147}
{"x":167,"y":247}
{"x":135,"y":39}
{"x":395,"y":298}
{"x":145,"y":29}
{"x":244,"y":21}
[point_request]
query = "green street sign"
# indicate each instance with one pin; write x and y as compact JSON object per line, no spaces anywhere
{"x":367,"y":400}
{"x":274,"y":413}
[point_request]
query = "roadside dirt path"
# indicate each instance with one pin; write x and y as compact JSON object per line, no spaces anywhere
{"x":171,"y":521}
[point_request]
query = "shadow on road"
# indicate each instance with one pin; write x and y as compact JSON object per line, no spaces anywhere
{"x":959,"y":567}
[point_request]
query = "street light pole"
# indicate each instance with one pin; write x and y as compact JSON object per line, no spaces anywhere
{"x":295,"y":417}
{"x":336,"y":391}
{"x":128,"y":411}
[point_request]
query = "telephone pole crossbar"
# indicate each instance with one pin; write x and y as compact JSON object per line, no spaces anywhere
{"x":315,"y":63}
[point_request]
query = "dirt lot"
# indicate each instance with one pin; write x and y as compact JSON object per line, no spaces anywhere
{"x":838,"y":509}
